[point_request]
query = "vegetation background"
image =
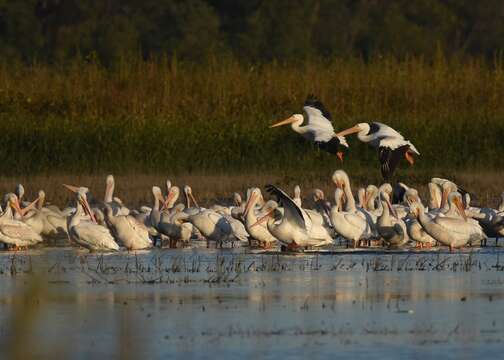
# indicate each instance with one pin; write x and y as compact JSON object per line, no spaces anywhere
{"x":190,"y":87}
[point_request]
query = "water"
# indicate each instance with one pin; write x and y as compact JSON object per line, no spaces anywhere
{"x":201,"y":303}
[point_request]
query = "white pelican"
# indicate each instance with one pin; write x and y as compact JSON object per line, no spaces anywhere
{"x":114,"y":202}
{"x":127,"y":230}
{"x":87,"y":233}
{"x":392,"y":230}
{"x":415,"y":231}
{"x":14,"y":232}
{"x":352,"y":223}
{"x":190,"y":197}
{"x":176,"y":227}
{"x":259,"y":232}
{"x":391,"y":145}
{"x":46,"y":222}
{"x":212,"y":226}
{"x":454,"y":232}
{"x":294,"y":228}
{"x":318,"y":129}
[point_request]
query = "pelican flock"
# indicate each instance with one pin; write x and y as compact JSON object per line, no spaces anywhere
{"x":376,"y":215}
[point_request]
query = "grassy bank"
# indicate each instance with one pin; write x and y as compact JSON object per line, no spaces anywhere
{"x":135,"y":189}
{"x":168,"y":116}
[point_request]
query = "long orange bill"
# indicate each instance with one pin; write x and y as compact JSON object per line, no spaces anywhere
{"x":167,"y":201}
{"x":408,"y":155}
{"x":284,"y":122}
{"x":87,"y":210}
{"x":72,"y":188}
{"x":392,"y":210}
{"x":352,"y":130}
{"x":249,"y":204}
{"x":460,"y":208}
{"x":263,"y":219}
{"x":27,"y":208}
{"x":340,"y":155}
{"x":193,"y":199}
{"x":444,"y":198}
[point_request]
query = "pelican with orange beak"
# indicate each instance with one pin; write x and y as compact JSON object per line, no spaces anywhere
{"x":318,"y":128}
{"x":14,"y":232}
{"x":259,"y":232}
{"x":294,"y":228}
{"x":454,"y":232}
{"x":88,"y":234}
{"x":391,"y":145}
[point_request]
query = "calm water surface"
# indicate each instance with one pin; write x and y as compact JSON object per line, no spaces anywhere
{"x":201,"y":303}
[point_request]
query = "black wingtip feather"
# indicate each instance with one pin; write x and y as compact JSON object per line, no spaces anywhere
{"x":313,"y":101}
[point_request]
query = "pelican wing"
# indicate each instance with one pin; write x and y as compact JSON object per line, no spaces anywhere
{"x":389,"y":159}
{"x":457,"y":226}
{"x":291,"y":210}
{"x":18,"y":230}
{"x":95,"y":235}
{"x":320,"y":126}
{"x":135,"y":224}
{"x":382,"y":131}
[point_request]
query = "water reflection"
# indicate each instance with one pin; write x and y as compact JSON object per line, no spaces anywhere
{"x":163,"y":303}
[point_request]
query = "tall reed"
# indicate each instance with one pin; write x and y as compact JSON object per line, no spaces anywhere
{"x":212,"y":117}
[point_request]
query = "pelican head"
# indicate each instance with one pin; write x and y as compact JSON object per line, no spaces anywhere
{"x":318,"y":195}
{"x":237,"y":199}
{"x":172,"y":197}
{"x":447,"y":188}
{"x":362,"y":128}
{"x":386,"y":187}
{"x":296,"y":119}
{"x":456,"y":199}
{"x":410,"y":196}
{"x":19,"y":192}
{"x":340,"y":178}
{"x":416,"y":209}
{"x":271,"y":209}
{"x":189,"y":196}
{"x":81,"y":196}
{"x":385,"y":198}
{"x":254,"y":195}
{"x":13,"y":202}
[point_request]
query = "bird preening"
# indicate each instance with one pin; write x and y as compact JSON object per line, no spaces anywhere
{"x":378,"y":216}
{"x":318,"y":128}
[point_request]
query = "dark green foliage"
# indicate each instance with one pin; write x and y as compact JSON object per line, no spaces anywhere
{"x":56,"y":30}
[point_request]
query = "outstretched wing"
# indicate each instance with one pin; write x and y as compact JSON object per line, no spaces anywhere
{"x":291,"y":210}
{"x":389,"y":159}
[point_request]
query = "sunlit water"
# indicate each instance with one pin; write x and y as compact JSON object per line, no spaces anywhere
{"x":201,"y":303}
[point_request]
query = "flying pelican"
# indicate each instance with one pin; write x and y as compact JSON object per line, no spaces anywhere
{"x":318,"y":129}
{"x":294,"y":228}
{"x":127,"y":230}
{"x":454,"y":232}
{"x":391,"y":145}
{"x":14,"y":232}
{"x":259,"y":232}
{"x":85,"y":233}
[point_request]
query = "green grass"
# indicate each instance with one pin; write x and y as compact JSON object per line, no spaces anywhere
{"x":170,"y":116}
